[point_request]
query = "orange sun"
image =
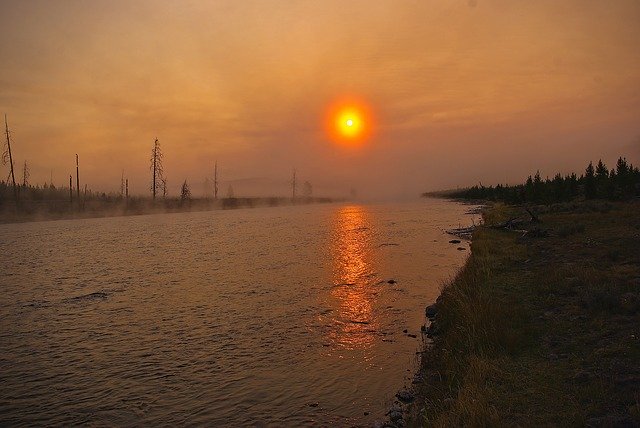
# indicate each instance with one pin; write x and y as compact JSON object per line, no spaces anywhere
{"x":349,"y":121}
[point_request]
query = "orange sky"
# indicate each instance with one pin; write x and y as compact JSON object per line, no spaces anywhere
{"x":462,"y":91}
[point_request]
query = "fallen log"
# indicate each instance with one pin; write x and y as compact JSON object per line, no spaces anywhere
{"x":534,"y":218}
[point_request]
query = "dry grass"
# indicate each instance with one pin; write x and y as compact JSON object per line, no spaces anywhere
{"x":542,"y":331}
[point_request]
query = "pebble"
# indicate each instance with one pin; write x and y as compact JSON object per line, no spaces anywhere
{"x":395,"y":416}
{"x":405,"y":396}
{"x":431,"y":311}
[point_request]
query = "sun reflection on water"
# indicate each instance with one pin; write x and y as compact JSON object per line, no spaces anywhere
{"x":353,"y":275}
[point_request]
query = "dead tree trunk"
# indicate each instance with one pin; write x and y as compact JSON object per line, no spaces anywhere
{"x":155,"y":163}
{"x":215,"y":181}
{"x":9,"y":155}
{"x":77,"y":178}
{"x":25,"y":175}
{"x":534,"y":218}
{"x":156,"y":168}
{"x":293,"y":185}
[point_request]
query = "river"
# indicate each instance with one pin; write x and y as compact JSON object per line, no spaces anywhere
{"x":252,"y":317}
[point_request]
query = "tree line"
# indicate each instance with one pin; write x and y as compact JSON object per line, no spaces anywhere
{"x":22,"y":191}
{"x":621,"y":182}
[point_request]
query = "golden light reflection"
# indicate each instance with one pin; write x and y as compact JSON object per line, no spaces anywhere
{"x":352,"y":277}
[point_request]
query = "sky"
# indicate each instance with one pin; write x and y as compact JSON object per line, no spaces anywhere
{"x":459,"y":92}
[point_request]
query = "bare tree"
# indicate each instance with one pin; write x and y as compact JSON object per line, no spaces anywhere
{"x":185,"y":193}
{"x":293,"y":185}
{"x":122,"y":185}
{"x":156,"y":168}
{"x":78,"y":178}
{"x":215,"y":181}
{"x":6,"y":156}
{"x":25,"y":175}
{"x":164,"y":187}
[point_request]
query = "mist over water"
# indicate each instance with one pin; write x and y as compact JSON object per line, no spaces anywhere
{"x":269,"y":316}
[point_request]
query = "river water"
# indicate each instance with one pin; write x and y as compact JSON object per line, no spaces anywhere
{"x":257,"y":317}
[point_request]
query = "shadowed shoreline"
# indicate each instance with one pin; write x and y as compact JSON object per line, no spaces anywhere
{"x":538,"y":328}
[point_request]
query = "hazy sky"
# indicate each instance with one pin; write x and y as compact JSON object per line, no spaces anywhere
{"x":462,"y":91}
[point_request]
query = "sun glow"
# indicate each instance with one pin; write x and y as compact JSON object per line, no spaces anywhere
{"x":349,"y":122}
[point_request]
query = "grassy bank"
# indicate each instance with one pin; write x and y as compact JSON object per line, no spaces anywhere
{"x":542,"y":329}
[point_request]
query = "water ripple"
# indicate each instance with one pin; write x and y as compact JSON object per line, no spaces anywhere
{"x":230,"y":318}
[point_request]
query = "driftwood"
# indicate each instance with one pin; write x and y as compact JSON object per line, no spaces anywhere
{"x":514,"y":224}
{"x":534,"y":218}
{"x":462,"y":232}
{"x":518,"y":225}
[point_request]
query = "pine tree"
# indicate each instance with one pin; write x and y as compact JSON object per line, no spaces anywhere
{"x":590,"y":182}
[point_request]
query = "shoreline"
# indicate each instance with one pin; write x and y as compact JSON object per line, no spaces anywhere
{"x":56,"y":210}
{"x":537,"y":328}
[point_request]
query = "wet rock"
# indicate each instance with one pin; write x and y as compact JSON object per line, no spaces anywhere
{"x":405,"y":331}
{"x":454,"y":241}
{"x":405,"y":396}
{"x":431,"y":311}
{"x":366,"y":413}
{"x":461,"y":248}
{"x":411,"y":335}
{"x":395,"y":416}
{"x":433,"y":330}
{"x":392,"y":281}
{"x":394,"y":409}
{"x":313,"y":404}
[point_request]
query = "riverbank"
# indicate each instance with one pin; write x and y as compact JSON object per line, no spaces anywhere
{"x":540,"y":328}
{"x":31,"y":210}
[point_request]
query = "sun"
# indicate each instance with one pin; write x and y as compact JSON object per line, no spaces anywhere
{"x":349,"y":122}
